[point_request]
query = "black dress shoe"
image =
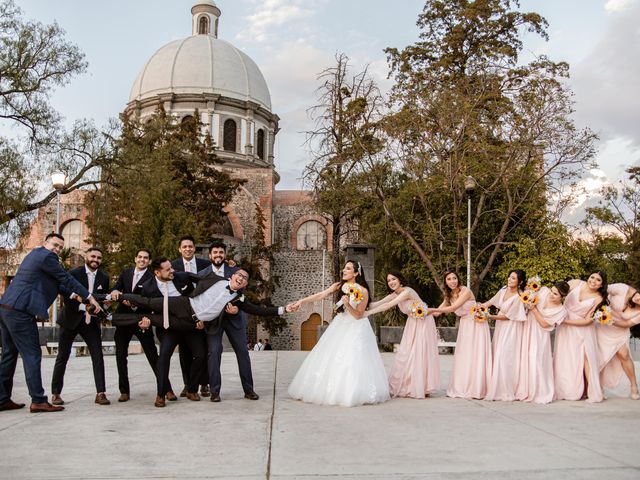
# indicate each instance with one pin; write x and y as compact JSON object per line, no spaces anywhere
{"x":251,"y":396}
{"x":215,"y":397}
{"x":11,"y":405}
{"x":204,"y":391}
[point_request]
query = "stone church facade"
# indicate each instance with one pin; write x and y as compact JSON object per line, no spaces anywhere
{"x":204,"y":73}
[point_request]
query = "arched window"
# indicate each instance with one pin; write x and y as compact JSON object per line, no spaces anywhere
{"x":203,"y":25}
{"x":229,"y":136}
{"x":72,"y":232}
{"x":260,"y":144}
{"x":311,"y":236}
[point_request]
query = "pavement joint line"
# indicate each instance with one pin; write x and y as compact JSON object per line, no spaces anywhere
{"x":271,"y":417}
{"x":482,"y":404}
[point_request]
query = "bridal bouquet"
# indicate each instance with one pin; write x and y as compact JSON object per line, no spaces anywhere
{"x":418,"y":309}
{"x":530,"y":295}
{"x":354,"y":291}
{"x":603,"y":315}
{"x":480,"y":313}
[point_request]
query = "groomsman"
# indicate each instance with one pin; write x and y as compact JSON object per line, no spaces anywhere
{"x":128,"y":281}
{"x":75,"y":320}
{"x":189,"y":263}
{"x":166,"y":282}
{"x":29,"y":296}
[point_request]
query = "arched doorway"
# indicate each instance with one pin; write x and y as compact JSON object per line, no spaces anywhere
{"x":309,"y":332}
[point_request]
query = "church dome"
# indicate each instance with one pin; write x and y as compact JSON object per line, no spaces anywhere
{"x":202,"y":64}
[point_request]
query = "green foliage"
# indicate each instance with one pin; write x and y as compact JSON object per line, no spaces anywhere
{"x":163,"y":184}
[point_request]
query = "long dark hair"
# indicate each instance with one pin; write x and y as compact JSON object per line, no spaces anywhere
{"x":630,"y":303}
{"x":603,"y":288}
{"x":401,"y":278}
{"x":448,"y":293}
{"x":522,"y":278}
{"x":360,"y":280}
{"x":563,"y":288}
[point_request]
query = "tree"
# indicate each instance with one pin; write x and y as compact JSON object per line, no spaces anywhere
{"x":165,"y":182}
{"x":346,"y":117}
{"x":464,"y":106}
{"x":34,"y":60}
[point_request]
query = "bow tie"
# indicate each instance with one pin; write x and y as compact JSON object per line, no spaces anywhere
{"x":228,"y":287}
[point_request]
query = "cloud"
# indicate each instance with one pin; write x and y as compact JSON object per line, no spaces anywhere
{"x":613,"y":6}
{"x":271,"y":16}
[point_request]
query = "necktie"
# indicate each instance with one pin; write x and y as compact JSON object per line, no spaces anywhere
{"x":91,"y":277}
{"x":136,"y":277}
{"x":187,"y":267}
{"x":165,"y":305}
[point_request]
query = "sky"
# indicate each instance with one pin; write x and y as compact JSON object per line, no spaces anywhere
{"x":292,"y":41}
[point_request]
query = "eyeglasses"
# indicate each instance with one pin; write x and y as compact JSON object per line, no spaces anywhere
{"x":243,"y":276}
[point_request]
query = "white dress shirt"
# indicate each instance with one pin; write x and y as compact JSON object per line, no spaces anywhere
{"x":171,"y":288}
{"x":190,"y":265}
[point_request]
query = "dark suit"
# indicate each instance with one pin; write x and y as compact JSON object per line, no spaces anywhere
{"x":29,"y":295}
{"x":72,"y":323}
{"x":171,"y":337}
{"x":185,"y":353}
{"x":124,"y":333}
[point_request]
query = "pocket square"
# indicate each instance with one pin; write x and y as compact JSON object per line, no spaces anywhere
{"x":99,"y":287}
{"x":184,"y":288}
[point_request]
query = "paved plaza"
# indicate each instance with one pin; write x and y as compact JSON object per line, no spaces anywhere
{"x":278,"y":438}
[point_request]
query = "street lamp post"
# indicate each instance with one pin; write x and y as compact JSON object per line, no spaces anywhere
{"x":469,"y":187}
{"x":58,"y":180}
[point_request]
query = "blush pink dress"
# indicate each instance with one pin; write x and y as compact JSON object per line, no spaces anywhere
{"x":416,"y":369}
{"x":472,"y":359}
{"x":507,"y":344}
{"x":573,"y":343}
{"x":611,"y":339}
{"x":539,"y":386}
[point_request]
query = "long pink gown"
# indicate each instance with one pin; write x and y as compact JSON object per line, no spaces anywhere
{"x":611,"y":339}
{"x":572,"y":344}
{"x":416,"y":370}
{"x":539,"y":374}
{"x":507,"y":344}
{"x":472,"y":359}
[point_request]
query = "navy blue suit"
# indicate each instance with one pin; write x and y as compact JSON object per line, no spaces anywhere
{"x":72,"y":323}
{"x":29,"y":295}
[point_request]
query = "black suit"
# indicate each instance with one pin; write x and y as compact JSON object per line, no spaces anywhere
{"x":124,"y":333}
{"x":72,"y":323}
{"x":201,"y":264}
{"x":171,"y":337}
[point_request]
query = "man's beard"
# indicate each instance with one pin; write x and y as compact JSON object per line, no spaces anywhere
{"x":217,"y":262}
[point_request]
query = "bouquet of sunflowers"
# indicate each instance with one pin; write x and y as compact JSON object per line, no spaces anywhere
{"x":480,"y":313}
{"x":418,"y":309}
{"x":354,"y":291}
{"x":603,"y":315}
{"x":530,"y":295}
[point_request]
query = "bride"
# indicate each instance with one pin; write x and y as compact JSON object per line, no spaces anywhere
{"x":345,"y":367}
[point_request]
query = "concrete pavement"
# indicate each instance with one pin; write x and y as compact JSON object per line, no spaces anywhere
{"x":278,"y":438}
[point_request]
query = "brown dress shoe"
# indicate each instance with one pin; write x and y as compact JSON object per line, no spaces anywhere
{"x":11,"y":405}
{"x":124,"y":397}
{"x":215,"y":397}
{"x":204,"y":391}
{"x":44,"y":407}
{"x":56,"y":399}
{"x":101,"y":399}
{"x":159,"y":402}
{"x":171,"y":396}
{"x":194,"y":397}
{"x":183,"y":393}
{"x":251,"y":395}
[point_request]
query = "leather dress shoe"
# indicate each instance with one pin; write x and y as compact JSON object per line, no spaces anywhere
{"x":251,"y":395}
{"x":56,"y":399}
{"x":215,"y":397}
{"x":204,"y":391}
{"x":11,"y":405}
{"x":124,"y":397}
{"x":159,"y":402}
{"x":194,"y":397}
{"x":171,"y":396}
{"x":44,"y":407}
{"x":183,"y":393}
{"x":101,"y":399}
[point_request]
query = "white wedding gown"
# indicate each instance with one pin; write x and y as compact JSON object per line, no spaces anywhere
{"x":344,"y":368}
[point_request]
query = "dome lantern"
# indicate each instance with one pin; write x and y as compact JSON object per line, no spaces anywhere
{"x":205,"y":15}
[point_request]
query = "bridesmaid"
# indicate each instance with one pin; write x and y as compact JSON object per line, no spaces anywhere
{"x":507,"y":338}
{"x":416,"y":369}
{"x":576,"y":352}
{"x":613,"y":340}
{"x":544,"y":317}
{"x":472,"y":358}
